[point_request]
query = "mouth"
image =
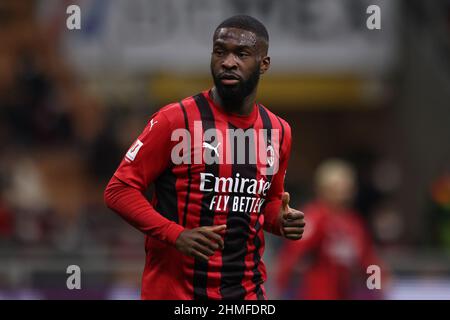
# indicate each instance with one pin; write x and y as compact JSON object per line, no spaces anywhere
{"x":229,"y":79}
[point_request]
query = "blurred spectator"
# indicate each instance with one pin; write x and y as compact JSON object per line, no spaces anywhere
{"x":331,"y":260}
{"x":6,"y":215}
{"x":388,"y":225}
{"x":6,"y":222}
{"x":440,"y":210}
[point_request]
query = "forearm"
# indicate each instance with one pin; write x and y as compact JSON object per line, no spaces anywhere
{"x":132,"y":206}
{"x":272,"y":217}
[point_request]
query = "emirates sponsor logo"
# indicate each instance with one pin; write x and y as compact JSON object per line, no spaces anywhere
{"x":236,"y":193}
{"x":238,"y":184}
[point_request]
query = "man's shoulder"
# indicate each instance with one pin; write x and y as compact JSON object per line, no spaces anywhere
{"x":277,"y":121}
{"x":176,"y":112}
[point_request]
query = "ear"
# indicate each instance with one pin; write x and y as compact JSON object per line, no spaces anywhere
{"x":264,"y":65}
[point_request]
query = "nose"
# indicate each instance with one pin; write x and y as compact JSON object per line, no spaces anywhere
{"x":229,"y":62}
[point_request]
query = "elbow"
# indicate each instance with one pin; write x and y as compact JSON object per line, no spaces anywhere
{"x":108,"y":194}
{"x":107,"y":197}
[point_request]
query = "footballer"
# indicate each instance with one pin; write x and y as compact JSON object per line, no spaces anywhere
{"x":217,"y":161}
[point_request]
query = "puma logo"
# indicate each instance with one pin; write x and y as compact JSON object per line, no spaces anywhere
{"x":152,"y":124}
{"x":209,"y":146}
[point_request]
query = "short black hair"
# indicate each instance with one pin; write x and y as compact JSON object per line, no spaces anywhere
{"x":245,"y":22}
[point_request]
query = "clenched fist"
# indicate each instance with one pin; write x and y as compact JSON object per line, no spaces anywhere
{"x":201,"y":242}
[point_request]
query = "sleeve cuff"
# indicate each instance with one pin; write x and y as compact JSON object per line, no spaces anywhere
{"x":271,"y":217}
{"x":274,"y":228}
{"x":173,"y":231}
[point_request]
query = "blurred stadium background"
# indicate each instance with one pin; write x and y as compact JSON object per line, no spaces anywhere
{"x":72,"y":101}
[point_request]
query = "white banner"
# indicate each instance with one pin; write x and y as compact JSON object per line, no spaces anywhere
{"x":316,"y":36}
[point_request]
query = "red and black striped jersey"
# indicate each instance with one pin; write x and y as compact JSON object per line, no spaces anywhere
{"x":209,"y":167}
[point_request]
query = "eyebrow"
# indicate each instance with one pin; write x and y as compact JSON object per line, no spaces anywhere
{"x":239,"y":46}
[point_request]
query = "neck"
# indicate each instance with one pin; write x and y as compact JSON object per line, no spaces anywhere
{"x":241,"y":107}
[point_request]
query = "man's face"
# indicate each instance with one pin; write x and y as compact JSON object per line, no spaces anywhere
{"x":237,"y":60}
{"x":338,"y":189}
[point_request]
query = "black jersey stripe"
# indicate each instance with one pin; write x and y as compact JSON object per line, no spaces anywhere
{"x":166,"y":195}
{"x":257,"y":277}
{"x":200,"y":278}
{"x":186,"y":201}
{"x":267,"y":124}
{"x":238,"y":231}
{"x":282,"y":133}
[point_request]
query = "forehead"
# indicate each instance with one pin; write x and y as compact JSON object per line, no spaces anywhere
{"x":236,"y":36}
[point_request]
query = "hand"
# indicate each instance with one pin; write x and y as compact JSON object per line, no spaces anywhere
{"x":292,"y":222}
{"x":200,"y":242}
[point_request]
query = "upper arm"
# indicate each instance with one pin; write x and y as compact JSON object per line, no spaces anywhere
{"x":149,"y":155}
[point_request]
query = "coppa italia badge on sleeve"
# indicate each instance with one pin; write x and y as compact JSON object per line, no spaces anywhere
{"x":134,"y":149}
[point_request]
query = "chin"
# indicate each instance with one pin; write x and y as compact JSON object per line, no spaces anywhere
{"x":230,"y":93}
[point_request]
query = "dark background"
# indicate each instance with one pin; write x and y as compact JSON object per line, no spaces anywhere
{"x":72,"y":101}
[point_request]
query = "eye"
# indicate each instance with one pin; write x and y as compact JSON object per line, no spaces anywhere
{"x":243,"y":54}
{"x":218,"y":52}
